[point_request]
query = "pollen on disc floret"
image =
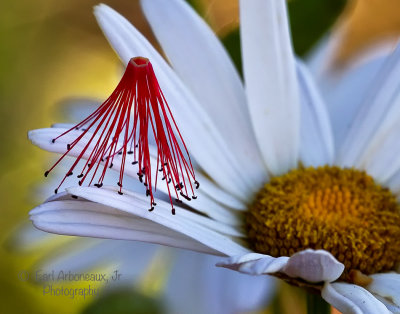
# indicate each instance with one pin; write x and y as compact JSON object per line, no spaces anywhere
{"x":343,"y":211}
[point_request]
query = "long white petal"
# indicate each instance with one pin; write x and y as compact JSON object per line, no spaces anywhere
{"x":316,"y":138}
{"x":271,"y":83}
{"x":96,"y":220}
{"x":374,"y":114}
{"x":387,"y":286}
{"x":352,"y":299}
{"x":204,"y":203}
{"x":206,"y":143}
{"x":193,"y":225}
{"x":201,"y":61}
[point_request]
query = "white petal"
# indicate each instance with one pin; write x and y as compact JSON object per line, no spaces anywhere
{"x":271,"y":83}
{"x":87,"y":254}
{"x":387,"y":286}
{"x":352,"y":299}
{"x":201,"y":61}
{"x":208,"y":187}
{"x":43,"y":138}
{"x":218,"y":290}
{"x":206,"y":144}
{"x":314,"y":266}
{"x":255,"y":264}
{"x":374,"y":114}
{"x":343,"y":88}
{"x":96,"y":220}
{"x":380,"y":158}
{"x":310,"y":265}
{"x":316,"y":138}
{"x":394,"y":183}
{"x":389,"y":305}
{"x":193,"y":225}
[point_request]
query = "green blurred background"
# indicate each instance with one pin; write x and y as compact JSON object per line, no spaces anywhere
{"x":52,"y":50}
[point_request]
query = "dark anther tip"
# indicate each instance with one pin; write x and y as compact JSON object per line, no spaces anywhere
{"x":76,"y":128}
{"x":197,"y":184}
{"x":161,"y":169}
{"x":165,"y":164}
{"x":89,"y":165}
{"x":80,"y":176}
{"x":145,"y":184}
{"x":154,"y":204}
{"x":134,"y":162}
{"x":119,"y":153}
{"x":178,"y":200}
{"x":80,"y":182}
{"x":55,"y":191}
{"x":70,"y":174}
{"x":194,"y":197}
{"x":46,"y":173}
{"x":137,"y":145}
{"x":120,"y":193}
{"x":119,"y":184}
{"x":74,"y":196}
{"x":163,"y":178}
{"x":173,"y":211}
{"x":53,"y":140}
{"x":111,"y":165}
{"x":169,"y":180}
{"x":147,"y":192}
{"x":151,"y":209}
{"x":68,"y":146}
{"x":130,"y":152}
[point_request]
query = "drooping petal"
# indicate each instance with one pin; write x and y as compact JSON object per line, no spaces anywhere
{"x":352,"y":299}
{"x":271,"y":82}
{"x":373,"y":116}
{"x":191,"y":224}
{"x":207,"y":145}
{"x":313,"y":266}
{"x":97,"y":220}
{"x":255,"y":264}
{"x":387,"y":286}
{"x":202,"y":63}
{"x":316,"y":138}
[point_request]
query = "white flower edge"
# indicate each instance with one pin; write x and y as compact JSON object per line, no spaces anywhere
{"x":352,"y":299}
{"x":310,"y":265}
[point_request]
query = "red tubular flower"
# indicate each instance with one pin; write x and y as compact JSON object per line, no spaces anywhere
{"x":121,"y":126}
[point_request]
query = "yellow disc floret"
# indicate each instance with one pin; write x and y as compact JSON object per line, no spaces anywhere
{"x":342,"y":211}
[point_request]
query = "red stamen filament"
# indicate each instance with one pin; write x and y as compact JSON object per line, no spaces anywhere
{"x":138,"y":94}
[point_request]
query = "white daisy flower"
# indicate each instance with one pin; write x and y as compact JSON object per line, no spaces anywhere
{"x":141,"y":265}
{"x":283,"y":195}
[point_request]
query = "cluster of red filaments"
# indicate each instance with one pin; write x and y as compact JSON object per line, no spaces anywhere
{"x":120,"y":126}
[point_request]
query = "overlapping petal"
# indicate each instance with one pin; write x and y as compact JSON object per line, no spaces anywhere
{"x":271,"y":82}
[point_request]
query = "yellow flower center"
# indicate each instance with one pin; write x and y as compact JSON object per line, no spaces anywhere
{"x":342,"y":211}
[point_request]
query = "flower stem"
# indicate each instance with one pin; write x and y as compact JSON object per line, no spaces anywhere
{"x":317,"y":305}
